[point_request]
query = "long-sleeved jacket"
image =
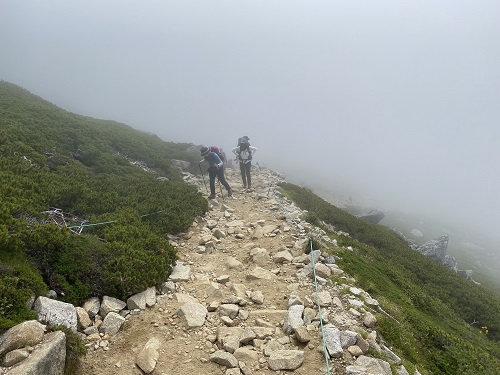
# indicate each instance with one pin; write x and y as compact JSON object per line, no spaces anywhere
{"x":244,"y":156}
{"x":213,"y":160}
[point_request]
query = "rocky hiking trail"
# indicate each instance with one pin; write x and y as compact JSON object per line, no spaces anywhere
{"x":242,"y":300}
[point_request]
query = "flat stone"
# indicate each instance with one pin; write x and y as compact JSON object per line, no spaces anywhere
{"x":233,"y":263}
{"x":285,"y":359}
{"x":230,"y":310}
{"x":147,"y":358}
{"x":301,"y":334}
{"x":259,"y":273}
{"x":348,"y":338}
{"x":283,"y":256}
{"x":193,"y":313}
{"x":224,"y":358}
{"x":248,"y":355}
{"x":180,"y":273}
{"x":230,"y":343}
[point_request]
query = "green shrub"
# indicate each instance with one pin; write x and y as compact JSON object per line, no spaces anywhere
{"x":19,"y":281}
{"x":84,"y":167}
{"x":132,"y":250}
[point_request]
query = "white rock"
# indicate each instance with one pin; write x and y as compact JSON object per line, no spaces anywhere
{"x":56,"y":312}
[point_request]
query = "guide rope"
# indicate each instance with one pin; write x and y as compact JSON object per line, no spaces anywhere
{"x":325,"y":351}
{"x":108,"y":222}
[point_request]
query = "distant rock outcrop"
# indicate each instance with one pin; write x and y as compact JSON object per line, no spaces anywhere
{"x":373,"y":216}
{"x":436,"y":249}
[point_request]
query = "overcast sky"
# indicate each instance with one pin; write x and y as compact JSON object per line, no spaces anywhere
{"x":397,"y":100}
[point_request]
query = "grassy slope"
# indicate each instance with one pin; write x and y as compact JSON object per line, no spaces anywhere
{"x":53,"y":158}
{"x":434,"y":307}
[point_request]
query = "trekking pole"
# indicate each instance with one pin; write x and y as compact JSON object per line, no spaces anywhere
{"x":202,"y":176}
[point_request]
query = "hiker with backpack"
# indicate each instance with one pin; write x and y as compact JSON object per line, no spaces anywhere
{"x":244,"y":153}
{"x":215,"y":169}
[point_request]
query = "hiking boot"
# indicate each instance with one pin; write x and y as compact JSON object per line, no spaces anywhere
{"x":230,"y":193}
{"x":211,"y":196}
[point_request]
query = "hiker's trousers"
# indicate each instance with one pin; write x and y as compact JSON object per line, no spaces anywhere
{"x":245,"y":173}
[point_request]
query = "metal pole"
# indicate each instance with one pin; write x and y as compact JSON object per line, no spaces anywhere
{"x":202,"y":176}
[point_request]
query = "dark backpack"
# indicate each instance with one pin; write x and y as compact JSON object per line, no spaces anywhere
{"x":218,"y":152}
{"x":243,"y":141}
{"x":243,"y":144}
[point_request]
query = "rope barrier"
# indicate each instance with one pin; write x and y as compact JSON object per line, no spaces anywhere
{"x":325,"y":351}
{"x":109,"y":222}
{"x":95,"y":224}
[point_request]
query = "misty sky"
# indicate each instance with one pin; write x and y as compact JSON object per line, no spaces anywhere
{"x":397,"y":100}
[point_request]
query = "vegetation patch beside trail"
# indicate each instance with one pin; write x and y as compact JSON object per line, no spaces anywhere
{"x":119,"y":180}
{"x":438,"y":320}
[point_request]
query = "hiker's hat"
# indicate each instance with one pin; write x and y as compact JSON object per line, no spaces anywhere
{"x":246,"y":137}
{"x":204,"y":151}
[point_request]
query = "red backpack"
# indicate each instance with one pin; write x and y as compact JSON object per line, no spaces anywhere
{"x":218,"y":152}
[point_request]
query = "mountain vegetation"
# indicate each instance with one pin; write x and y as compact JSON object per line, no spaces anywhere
{"x":436,"y":318}
{"x":87,"y":206}
{"x":117,"y":182}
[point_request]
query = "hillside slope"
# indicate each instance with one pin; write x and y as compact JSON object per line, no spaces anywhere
{"x":117,"y":182}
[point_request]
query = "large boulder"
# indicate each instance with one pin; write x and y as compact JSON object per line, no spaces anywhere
{"x":435,"y":249}
{"x":374,"y":216}
{"x":28,"y":333}
{"x":48,"y":358}
{"x":110,"y":304}
{"x":55,"y":312}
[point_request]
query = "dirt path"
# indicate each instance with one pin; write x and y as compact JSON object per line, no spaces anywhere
{"x":187,"y":352}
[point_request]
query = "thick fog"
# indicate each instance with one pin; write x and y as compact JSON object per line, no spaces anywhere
{"x":394,"y":103}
